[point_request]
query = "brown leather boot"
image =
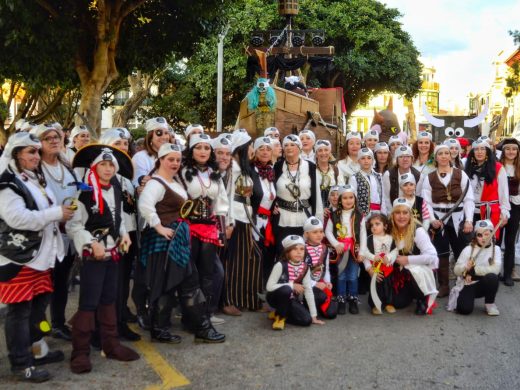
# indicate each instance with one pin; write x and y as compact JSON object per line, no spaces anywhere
{"x":83,"y":324}
{"x":110,"y":344}
{"x":443,"y":275}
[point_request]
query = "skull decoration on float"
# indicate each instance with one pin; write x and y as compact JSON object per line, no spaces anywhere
{"x":455,"y":126}
{"x":262,"y":100}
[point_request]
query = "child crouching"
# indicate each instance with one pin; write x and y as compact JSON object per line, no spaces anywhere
{"x":288,"y":283}
{"x":317,"y":259}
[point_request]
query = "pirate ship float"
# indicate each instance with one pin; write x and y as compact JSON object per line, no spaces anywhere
{"x":293,"y":107}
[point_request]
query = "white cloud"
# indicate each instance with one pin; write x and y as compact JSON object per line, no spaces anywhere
{"x":461,"y":39}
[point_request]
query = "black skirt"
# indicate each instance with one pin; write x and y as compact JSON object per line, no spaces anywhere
{"x":164,"y":275}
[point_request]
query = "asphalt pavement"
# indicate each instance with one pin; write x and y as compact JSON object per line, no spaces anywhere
{"x":399,"y":351}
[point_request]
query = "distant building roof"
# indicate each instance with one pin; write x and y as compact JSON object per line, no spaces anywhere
{"x":515,"y":57}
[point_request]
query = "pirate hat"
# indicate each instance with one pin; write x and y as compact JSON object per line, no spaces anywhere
{"x":87,"y":154}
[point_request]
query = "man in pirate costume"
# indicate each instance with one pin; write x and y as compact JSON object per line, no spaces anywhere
{"x":100,"y":236}
{"x":366,"y":184}
{"x":30,"y":244}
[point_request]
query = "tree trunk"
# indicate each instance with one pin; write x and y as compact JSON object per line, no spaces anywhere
{"x":96,"y":78}
{"x":140,"y":87}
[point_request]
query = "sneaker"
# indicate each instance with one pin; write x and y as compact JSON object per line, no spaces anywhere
{"x":272,"y":315}
{"x":32,"y":374}
{"x":515,"y":276}
{"x":492,"y":309}
{"x":62,"y":332}
{"x":217,"y":320}
{"x":390,"y":309}
{"x":376,"y":312}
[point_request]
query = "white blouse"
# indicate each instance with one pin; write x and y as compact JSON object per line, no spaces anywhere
{"x":143,"y":165}
{"x":482,"y":264}
{"x":468,"y":203}
{"x":304,"y":182}
{"x":503,"y":192}
{"x":428,"y":254}
{"x":152,"y":194}
{"x":202,"y":186}
{"x":346,"y":168}
{"x":346,"y":216}
{"x":510,"y":170}
{"x":45,"y":219}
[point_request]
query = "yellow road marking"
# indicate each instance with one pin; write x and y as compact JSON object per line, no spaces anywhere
{"x":171,"y":378}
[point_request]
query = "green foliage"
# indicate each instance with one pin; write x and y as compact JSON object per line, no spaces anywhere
{"x":373,"y":54}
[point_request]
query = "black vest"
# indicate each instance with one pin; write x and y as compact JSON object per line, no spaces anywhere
{"x":284,"y":278}
{"x":394,"y":181}
{"x":370,"y":245}
{"x":29,"y":241}
{"x":96,"y":220}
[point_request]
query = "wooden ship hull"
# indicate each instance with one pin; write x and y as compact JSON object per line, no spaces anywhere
{"x":321,"y":112}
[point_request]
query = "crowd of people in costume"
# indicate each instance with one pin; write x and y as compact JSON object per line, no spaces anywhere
{"x":202,"y":227}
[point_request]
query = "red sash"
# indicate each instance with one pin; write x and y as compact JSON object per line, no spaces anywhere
{"x":490,"y":194}
{"x":269,"y":236}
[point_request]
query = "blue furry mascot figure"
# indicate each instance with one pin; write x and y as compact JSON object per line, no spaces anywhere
{"x":262,"y":97}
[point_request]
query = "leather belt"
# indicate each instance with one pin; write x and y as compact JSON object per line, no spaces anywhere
{"x":446,"y":209}
{"x":293,"y":206}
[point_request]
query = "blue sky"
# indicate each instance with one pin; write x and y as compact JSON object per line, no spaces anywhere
{"x":461,"y":38}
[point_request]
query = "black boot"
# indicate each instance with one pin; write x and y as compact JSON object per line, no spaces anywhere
{"x":206,"y":333}
{"x":420,"y":308}
{"x":353,"y":305}
{"x":126,"y":333}
{"x":195,"y":315}
{"x":160,"y":333}
{"x":342,"y":305}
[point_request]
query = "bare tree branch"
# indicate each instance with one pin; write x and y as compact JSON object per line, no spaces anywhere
{"x":48,"y":7}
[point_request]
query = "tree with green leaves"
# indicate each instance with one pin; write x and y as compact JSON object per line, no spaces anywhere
{"x":372,"y":55}
{"x":93,"y":42}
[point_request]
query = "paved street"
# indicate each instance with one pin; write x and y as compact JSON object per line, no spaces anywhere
{"x":401,"y":351}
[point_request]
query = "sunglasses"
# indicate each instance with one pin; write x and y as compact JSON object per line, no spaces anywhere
{"x":159,"y":132}
{"x":52,"y":139}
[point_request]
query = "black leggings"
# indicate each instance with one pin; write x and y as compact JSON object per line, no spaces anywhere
{"x":509,"y":234}
{"x":486,"y":287}
{"x":125,"y":266}
{"x":446,"y":238}
{"x":288,"y":307}
{"x":203,"y":256}
{"x":60,"y":295}
{"x":22,"y":328}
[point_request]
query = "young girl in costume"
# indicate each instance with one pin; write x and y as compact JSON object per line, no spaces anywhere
{"x":333,"y":199}
{"x":288,"y":283}
{"x":477,"y":267}
{"x":317,"y":259}
{"x":343,"y":235}
{"x":379,"y":252}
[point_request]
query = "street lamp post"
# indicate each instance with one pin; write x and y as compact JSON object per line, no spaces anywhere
{"x":220,"y":76}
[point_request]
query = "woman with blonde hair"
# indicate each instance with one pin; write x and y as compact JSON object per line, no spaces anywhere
{"x":417,"y":258}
